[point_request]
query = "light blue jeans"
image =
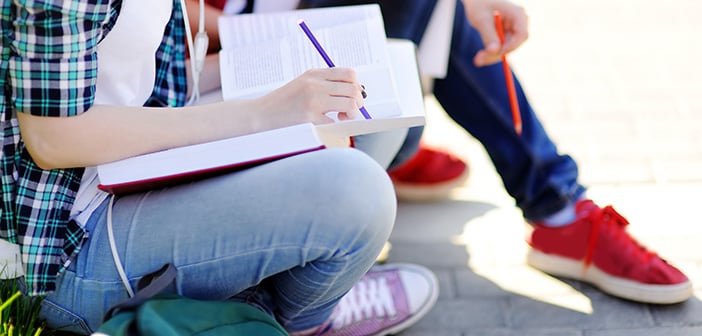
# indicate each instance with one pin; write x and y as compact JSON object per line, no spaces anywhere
{"x":290,"y":236}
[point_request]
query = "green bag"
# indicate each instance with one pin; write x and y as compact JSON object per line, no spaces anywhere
{"x":149,"y":313}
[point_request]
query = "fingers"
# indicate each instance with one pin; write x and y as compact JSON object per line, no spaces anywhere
{"x":336,"y":74}
{"x":347,"y":90}
{"x":313,"y":95}
{"x":347,"y":108}
{"x":343,"y":93}
{"x":514,"y":26}
{"x":484,"y":24}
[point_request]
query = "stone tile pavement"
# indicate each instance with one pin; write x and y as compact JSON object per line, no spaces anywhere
{"x":617,"y":85}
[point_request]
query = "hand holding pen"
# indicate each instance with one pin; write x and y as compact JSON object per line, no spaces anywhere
{"x":480,"y":14}
{"x":310,"y":97}
{"x":328,"y":60}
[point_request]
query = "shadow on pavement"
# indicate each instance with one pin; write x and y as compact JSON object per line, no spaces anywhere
{"x":473,"y":304}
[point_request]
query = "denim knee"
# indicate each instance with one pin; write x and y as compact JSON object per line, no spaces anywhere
{"x":366,"y":197}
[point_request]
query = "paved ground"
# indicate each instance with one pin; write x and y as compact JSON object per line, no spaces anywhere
{"x":617,"y":86}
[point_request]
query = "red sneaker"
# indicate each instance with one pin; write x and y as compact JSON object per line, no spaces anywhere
{"x":428,"y":176}
{"x":597,"y":249}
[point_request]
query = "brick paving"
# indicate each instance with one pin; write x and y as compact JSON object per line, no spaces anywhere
{"x":617,"y":85}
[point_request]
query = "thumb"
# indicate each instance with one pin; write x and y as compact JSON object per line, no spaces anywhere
{"x":488,"y":33}
{"x":491,"y":52}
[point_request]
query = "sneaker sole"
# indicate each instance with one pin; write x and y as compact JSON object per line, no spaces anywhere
{"x":626,"y":289}
{"x":426,"y":307}
{"x":418,"y":192}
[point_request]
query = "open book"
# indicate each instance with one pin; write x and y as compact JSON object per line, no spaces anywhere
{"x":181,"y":164}
{"x":261,"y":52}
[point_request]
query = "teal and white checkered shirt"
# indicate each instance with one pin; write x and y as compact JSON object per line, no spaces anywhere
{"x":49,"y":68}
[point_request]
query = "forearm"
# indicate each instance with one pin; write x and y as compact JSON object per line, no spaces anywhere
{"x":108,"y":133}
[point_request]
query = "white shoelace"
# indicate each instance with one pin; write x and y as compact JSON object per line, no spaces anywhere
{"x":370,"y":298}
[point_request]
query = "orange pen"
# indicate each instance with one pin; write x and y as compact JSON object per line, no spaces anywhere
{"x":509,"y":80}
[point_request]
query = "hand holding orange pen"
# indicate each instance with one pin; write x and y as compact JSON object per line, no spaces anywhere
{"x":509,"y":80}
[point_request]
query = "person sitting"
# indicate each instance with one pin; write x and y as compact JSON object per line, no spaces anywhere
{"x":86,"y":83}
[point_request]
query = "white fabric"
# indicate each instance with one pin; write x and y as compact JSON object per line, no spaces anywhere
{"x":433,"y":51}
{"x":126,"y":74}
{"x":126,"y":57}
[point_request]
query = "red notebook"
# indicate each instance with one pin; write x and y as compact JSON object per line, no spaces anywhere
{"x":189,"y":163}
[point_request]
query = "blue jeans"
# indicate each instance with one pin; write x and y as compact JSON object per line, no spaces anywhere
{"x":541,"y":180}
{"x":291,"y":236}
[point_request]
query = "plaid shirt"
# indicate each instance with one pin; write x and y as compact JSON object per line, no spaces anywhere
{"x":49,"y":68}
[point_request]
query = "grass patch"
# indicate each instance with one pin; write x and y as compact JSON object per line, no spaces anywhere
{"x":19,"y":314}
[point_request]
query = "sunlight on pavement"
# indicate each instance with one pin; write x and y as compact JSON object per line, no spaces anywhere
{"x":496,"y":248}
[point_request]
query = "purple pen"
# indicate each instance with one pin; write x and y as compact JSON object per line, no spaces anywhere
{"x":324,"y":55}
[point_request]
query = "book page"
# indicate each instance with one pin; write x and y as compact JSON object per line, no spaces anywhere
{"x":261,"y":52}
{"x":405,"y":73}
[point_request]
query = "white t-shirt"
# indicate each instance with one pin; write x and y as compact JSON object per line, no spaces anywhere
{"x":126,"y":75}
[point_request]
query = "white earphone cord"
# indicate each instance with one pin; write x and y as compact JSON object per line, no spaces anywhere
{"x":113,"y":249}
{"x":197,"y":49}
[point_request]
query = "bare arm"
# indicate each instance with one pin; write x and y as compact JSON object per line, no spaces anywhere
{"x":108,"y":133}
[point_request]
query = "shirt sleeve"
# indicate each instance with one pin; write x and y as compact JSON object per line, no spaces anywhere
{"x":53,"y":62}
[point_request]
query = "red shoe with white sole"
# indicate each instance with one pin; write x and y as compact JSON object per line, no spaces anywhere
{"x":596,"y":248}
{"x":429,"y":175}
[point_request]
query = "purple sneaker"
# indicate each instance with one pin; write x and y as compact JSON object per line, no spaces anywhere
{"x":387,"y":300}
